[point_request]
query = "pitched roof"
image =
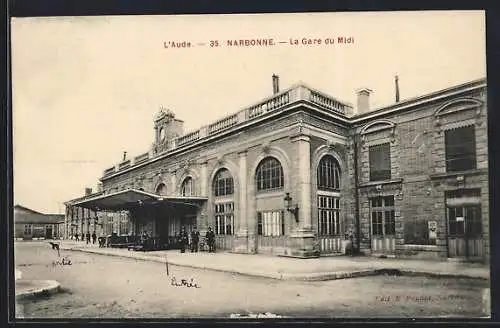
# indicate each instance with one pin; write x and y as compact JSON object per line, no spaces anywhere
{"x":23,"y":208}
{"x":26,"y":215}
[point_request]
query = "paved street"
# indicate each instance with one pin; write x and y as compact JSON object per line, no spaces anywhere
{"x":113,"y":287}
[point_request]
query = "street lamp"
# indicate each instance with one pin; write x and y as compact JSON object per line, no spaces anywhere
{"x":294,"y":209}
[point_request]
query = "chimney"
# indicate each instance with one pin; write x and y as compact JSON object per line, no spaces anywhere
{"x":124,"y":155}
{"x":396,"y":81}
{"x":88,"y":191}
{"x":363,"y":100}
{"x":276,"y":84}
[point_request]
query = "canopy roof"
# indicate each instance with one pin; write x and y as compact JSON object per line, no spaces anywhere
{"x":132,"y":198}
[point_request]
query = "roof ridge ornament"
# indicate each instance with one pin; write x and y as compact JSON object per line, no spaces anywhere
{"x":164,"y":113}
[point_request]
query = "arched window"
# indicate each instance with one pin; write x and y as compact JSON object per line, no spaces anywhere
{"x":223,"y":183}
{"x":187,"y":187}
{"x":161,"y":189}
{"x":329,"y":224}
{"x":269,"y":174}
{"x":328,"y":174}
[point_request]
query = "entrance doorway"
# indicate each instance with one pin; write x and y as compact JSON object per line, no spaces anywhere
{"x":465,"y":238}
{"x":329,"y":229}
{"x":270,"y":238}
{"x":383,"y":225}
{"x":48,"y":232}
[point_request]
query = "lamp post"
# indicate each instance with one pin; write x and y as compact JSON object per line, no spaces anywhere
{"x":294,"y":209}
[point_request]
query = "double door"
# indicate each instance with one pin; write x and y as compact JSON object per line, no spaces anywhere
{"x":465,"y":235}
{"x":383,"y":226}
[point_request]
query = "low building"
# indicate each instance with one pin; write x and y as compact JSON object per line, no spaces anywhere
{"x":30,"y":224}
{"x":299,"y":172}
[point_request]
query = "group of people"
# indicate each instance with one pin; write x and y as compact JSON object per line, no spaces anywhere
{"x":195,"y":240}
{"x":86,"y":237}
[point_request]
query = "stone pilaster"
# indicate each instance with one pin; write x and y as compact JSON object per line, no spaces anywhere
{"x":241,"y":240}
{"x":204,"y":191}
{"x":173,"y":181}
{"x":303,"y":238}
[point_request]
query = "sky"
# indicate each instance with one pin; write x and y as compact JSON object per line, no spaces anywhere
{"x":85,"y":89}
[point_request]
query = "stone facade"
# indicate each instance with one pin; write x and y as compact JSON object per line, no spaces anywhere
{"x":298,"y":127}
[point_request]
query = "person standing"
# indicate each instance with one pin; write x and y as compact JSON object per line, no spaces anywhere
{"x":94,"y":237}
{"x":210,"y":236}
{"x":195,"y":239}
{"x":83,"y":236}
{"x":87,"y":235}
{"x":184,"y":239}
{"x":76,"y":237}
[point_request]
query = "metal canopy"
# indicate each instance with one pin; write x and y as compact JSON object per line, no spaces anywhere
{"x":133,"y":198}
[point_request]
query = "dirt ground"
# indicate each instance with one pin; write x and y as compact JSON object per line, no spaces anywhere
{"x":97,"y":286}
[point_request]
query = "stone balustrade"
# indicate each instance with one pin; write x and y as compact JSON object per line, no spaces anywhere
{"x":223,"y":124}
{"x":272,"y":104}
{"x":188,"y":138}
{"x":109,"y":171}
{"x":141,"y":158}
{"x":269,"y":105}
{"x":328,"y":102}
{"x":123,"y":165}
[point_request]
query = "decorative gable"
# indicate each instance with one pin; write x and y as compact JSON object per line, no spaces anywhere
{"x":462,"y":111}
{"x":378,"y":129}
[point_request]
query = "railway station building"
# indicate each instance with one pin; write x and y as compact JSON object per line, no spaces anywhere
{"x":300,"y":172}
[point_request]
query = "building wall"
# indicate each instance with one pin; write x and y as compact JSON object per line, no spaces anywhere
{"x":80,"y":220}
{"x":299,"y":141}
{"x":417,"y":159}
{"x":37,"y":230}
{"x":274,"y":138}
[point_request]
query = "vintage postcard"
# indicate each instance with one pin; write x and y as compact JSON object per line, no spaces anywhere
{"x":308,"y":165}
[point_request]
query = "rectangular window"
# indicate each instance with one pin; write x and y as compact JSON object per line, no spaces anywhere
{"x":460,"y":148}
{"x":382,"y":216}
{"x":328,"y":215}
{"x":28,"y":229}
{"x":271,"y":223}
{"x":224,"y":218}
{"x":380,"y":162}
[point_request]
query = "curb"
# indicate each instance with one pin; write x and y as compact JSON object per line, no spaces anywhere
{"x":296,"y":276}
{"x":50,"y":287}
{"x":162,"y":260}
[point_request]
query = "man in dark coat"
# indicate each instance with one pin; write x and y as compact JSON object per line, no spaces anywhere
{"x":94,"y":237}
{"x":87,"y":235}
{"x":210,"y":237}
{"x":184,"y":238}
{"x":195,"y":239}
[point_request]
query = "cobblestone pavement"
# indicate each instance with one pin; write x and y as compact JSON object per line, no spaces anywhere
{"x":97,"y":286}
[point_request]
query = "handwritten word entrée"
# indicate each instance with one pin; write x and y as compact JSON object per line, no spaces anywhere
{"x":65,"y":261}
{"x":261,"y":42}
{"x":184,"y":282}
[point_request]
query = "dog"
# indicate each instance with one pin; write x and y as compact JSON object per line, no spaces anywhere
{"x":56,"y":247}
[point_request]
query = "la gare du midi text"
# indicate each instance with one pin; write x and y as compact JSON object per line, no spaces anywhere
{"x":262,"y":42}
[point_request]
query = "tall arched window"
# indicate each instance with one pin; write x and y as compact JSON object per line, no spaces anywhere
{"x":223,"y":183}
{"x":269,"y":174}
{"x":328,"y":174}
{"x":187,"y":187}
{"x":328,"y":196}
{"x":161,"y":189}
